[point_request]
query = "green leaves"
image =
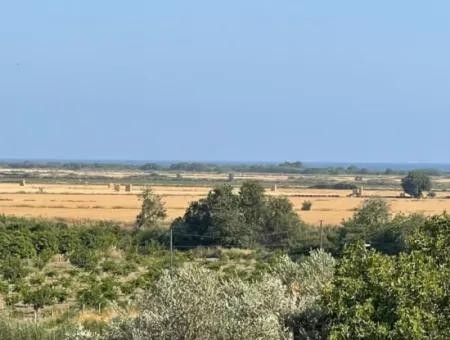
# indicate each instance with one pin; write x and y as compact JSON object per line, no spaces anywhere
{"x":39,"y":297}
{"x":152,"y":211}
{"x":394,"y":297}
{"x":415,"y":183}
{"x":238,"y":220}
{"x":196,"y":303}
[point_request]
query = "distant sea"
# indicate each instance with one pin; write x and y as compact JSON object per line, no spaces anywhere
{"x":380,"y":166}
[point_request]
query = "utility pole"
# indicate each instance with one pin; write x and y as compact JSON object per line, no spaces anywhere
{"x":321,"y":234}
{"x":171,"y":248}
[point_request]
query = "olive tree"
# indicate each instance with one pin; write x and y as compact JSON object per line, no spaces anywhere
{"x":196,"y":303}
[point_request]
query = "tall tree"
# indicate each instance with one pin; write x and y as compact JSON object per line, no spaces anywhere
{"x":252,"y":202}
{"x":152,"y":210}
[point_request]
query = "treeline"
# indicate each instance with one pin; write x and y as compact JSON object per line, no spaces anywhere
{"x":285,"y":167}
{"x":66,"y":165}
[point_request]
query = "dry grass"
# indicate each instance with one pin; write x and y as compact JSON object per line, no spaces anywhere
{"x":79,"y":202}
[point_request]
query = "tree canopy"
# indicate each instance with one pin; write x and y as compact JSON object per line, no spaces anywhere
{"x":238,"y":219}
{"x":415,"y":183}
{"x":375,"y":296}
{"x":152,"y":210}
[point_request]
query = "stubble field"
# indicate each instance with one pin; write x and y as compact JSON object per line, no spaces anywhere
{"x":100,"y":202}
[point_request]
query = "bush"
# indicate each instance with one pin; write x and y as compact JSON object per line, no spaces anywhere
{"x":99,"y":294}
{"x":306,"y":205}
{"x":84,"y":258}
{"x":12,"y":269}
{"x":432,"y":194}
{"x":335,"y":186}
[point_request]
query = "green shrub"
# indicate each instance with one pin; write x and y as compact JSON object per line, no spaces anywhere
{"x":99,"y":294}
{"x":306,"y":205}
{"x":84,"y":258}
{"x":12,"y":269}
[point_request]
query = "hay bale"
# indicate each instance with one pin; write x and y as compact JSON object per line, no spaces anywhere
{"x":128,"y":187}
{"x":357,"y":192}
{"x":117,"y":187}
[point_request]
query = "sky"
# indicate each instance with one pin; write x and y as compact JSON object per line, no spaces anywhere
{"x":253,"y":80}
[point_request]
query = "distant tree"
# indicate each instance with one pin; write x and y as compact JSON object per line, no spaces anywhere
{"x":297,"y":165}
{"x":150,"y":166}
{"x":415,"y":183}
{"x":152,"y":211}
{"x":230,"y":177}
{"x":352,"y":169}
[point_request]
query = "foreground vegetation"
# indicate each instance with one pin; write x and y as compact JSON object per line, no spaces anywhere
{"x":244,"y":267}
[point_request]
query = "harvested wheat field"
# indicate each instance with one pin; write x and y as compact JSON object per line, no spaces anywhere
{"x":101,"y":202}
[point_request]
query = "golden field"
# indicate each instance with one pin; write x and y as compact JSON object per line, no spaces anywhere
{"x":99,"y":202}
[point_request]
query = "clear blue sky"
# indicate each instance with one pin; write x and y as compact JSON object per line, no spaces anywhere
{"x":225,"y":80}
